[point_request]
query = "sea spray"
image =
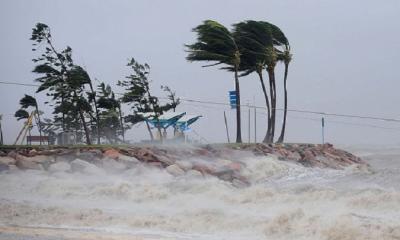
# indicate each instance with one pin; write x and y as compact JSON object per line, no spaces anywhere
{"x":284,"y":200}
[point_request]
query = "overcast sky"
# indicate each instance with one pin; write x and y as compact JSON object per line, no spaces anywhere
{"x":346,"y":59}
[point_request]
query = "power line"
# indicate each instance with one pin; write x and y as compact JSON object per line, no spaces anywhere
{"x":259,"y":107}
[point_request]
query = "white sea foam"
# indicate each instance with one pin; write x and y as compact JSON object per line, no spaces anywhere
{"x":284,"y":201}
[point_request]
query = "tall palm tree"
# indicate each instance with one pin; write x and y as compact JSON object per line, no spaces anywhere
{"x":286,"y":57}
{"x":272,"y":54}
{"x":253,"y":40}
{"x":217,"y":44}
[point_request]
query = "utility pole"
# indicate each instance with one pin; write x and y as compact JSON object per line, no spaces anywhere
{"x":323,"y":130}
{"x":249,"y":130}
{"x":255,"y":119}
{"x":226,"y":127}
{"x":1,"y":131}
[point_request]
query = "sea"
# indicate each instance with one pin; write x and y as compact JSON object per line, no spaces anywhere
{"x":284,"y":200}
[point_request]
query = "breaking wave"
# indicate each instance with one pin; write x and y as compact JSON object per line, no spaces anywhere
{"x":284,"y":201}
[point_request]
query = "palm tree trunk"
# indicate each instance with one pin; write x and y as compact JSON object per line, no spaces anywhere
{"x":150,"y":132}
{"x":238,"y":118}
{"x":272,"y":89}
{"x":88,"y":142}
{"x":97,"y":112}
{"x":267,"y":135}
{"x":40,"y":123}
{"x":82,"y":117}
{"x":121,"y":122}
{"x":282,"y":136}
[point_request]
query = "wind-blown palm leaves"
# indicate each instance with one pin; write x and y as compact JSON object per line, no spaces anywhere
{"x":259,"y":45}
{"x":26,"y":102}
{"x":139,"y":95}
{"x":215,"y":43}
{"x":62,"y":80}
{"x":110,"y":116}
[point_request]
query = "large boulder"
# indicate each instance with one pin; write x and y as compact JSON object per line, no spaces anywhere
{"x":59,"y":167}
{"x":128,"y":161}
{"x":185,"y":165}
{"x":27,"y":163}
{"x":175,"y":170}
{"x":111,"y":153}
{"x":81,"y":166}
{"x":194,"y":173}
{"x":112,"y":165}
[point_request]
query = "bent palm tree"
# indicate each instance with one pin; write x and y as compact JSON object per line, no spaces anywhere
{"x":286,"y":57}
{"x":216,"y":43}
{"x":253,"y":39}
{"x":272,"y":54}
{"x":29,"y":101}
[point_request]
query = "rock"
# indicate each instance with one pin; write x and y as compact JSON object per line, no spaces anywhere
{"x":239,"y":184}
{"x":308,"y":155}
{"x":65,"y":158}
{"x":112,"y":165}
{"x":223,"y":162}
{"x":111,"y":153}
{"x":88,"y":156}
{"x":4,"y":167}
{"x":27,"y":163}
{"x":167,"y":161}
{"x":81,"y":166}
{"x":204,"y":169}
{"x":43,"y":159}
{"x":12,"y":154}
{"x":194,"y":173}
{"x":7,"y":160}
{"x":2,"y":154}
{"x":33,"y":152}
{"x":226,"y":175}
{"x":175,"y":170}
{"x":146,"y":155}
{"x":185,"y":165}
{"x":59,"y":167}
{"x":128,"y":161}
{"x":235,"y":166}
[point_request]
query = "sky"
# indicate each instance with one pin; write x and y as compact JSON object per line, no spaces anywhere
{"x":345,"y":60}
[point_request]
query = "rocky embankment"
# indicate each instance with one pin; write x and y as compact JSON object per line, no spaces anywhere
{"x":223,"y":161}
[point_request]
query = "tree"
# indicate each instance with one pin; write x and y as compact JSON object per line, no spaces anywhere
{"x":253,"y":39}
{"x":26,"y":102}
{"x":216,"y":43}
{"x":110,"y":117}
{"x":138,"y":94}
{"x":275,"y":55}
{"x":175,"y":101}
{"x":286,"y":57}
{"x":62,"y":80}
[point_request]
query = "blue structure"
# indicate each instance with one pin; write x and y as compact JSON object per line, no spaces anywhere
{"x":165,"y":120}
{"x":232,"y":99}
{"x":183,"y":123}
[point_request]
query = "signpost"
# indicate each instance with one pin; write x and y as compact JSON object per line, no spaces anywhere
{"x":232,"y":99}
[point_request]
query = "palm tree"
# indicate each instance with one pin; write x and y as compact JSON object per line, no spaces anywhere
{"x":253,"y":39}
{"x":217,"y":44}
{"x":26,"y":102}
{"x":286,"y":57}
{"x":272,"y":54}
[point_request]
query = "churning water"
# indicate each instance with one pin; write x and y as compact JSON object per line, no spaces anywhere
{"x":284,"y":201}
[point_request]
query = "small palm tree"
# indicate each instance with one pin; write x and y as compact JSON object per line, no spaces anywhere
{"x":26,"y":102}
{"x":215,"y":43}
